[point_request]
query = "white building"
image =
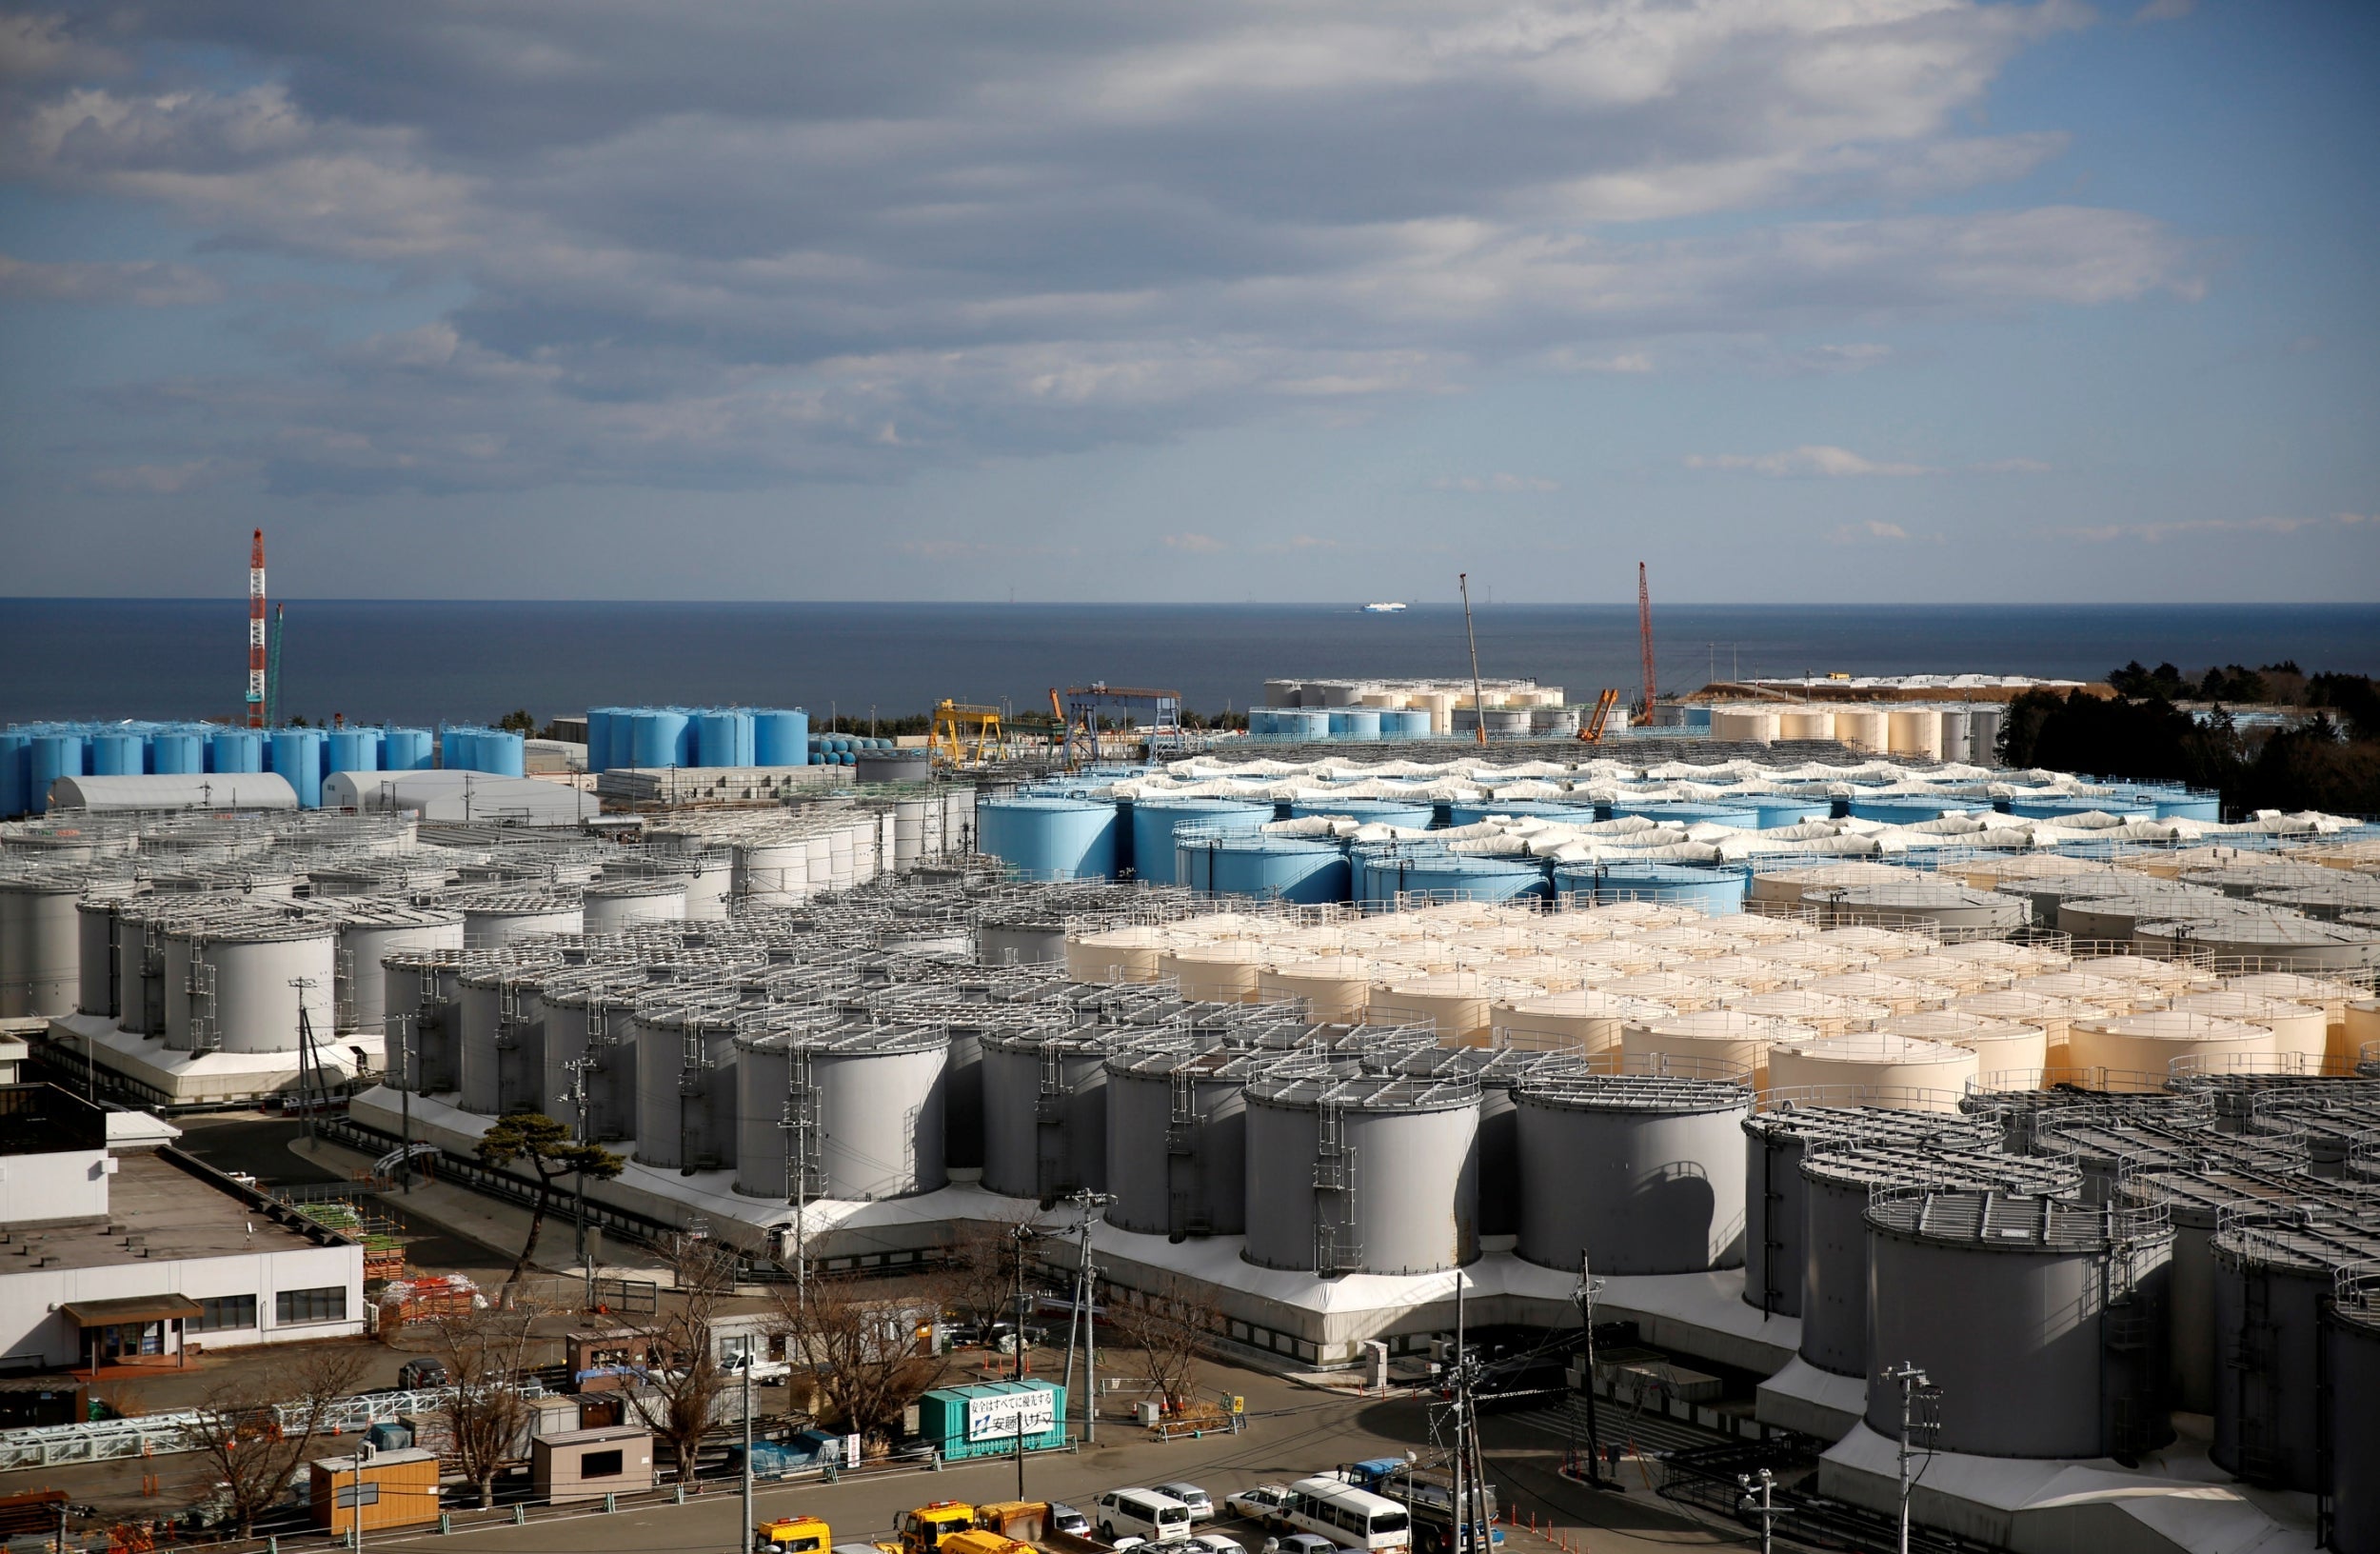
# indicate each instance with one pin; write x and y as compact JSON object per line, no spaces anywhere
{"x":131,"y":1252}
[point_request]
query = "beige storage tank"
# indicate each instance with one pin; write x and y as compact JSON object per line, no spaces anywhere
{"x":1224,"y":971}
{"x":1711,"y":1042}
{"x":1117,"y":955}
{"x":1456,"y":1003}
{"x":1863,"y":727}
{"x":1826,"y":960}
{"x":1783,"y":886}
{"x":2153,"y":977}
{"x":2330,"y":997}
{"x":1805,"y":723}
{"x":1579,"y":1021}
{"x":1751,"y":975}
{"x":1822,"y":1012}
{"x":1961,"y":976}
{"x":2056,"y":1016}
{"x":1337,"y":990}
{"x":1898,"y":1073}
{"x":2016,"y":960}
{"x":2105,"y":993}
{"x":1902,"y":995}
{"x":1685,"y":994}
{"x":1914,"y":730}
{"x":1744,"y":725}
{"x":2136,"y":1052}
{"x":2301,"y":1035}
{"x":1867,"y":939}
{"x":2001,"y":1046}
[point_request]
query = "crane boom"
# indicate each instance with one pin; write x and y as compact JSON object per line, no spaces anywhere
{"x":1644,"y":629}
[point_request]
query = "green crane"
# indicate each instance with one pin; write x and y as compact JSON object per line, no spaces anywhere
{"x":272,"y":672}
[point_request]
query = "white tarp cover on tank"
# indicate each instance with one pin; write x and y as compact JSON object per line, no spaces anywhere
{"x":197,"y":790}
{"x":461,"y":795}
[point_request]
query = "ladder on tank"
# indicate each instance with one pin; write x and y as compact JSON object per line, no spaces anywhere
{"x":152,"y":1011}
{"x":343,"y":991}
{"x":1185,"y":1162}
{"x":1053,"y":1161}
{"x":805,"y":1164}
{"x":2253,"y":1352}
{"x":427,"y":1015}
{"x":199,"y":985}
{"x":509,"y":1024}
{"x":1336,"y":1248}
{"x":2129,"y":1332}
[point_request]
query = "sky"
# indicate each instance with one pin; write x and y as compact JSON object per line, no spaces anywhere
{"x":1791,"y":300}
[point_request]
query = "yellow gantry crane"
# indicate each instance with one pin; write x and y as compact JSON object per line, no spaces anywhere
{"x":965,"y":735}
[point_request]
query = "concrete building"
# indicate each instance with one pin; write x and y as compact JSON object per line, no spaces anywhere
{"x":132,"y":1254}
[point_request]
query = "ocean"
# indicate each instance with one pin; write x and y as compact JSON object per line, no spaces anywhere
{"x":420,"y":661}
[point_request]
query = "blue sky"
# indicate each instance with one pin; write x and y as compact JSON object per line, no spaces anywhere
{"x":1803,"y":300}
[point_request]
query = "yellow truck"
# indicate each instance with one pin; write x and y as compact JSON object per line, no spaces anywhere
{"x":925,"y":1529}
{"x":980,"y":1542}
{"x":792,"y":1534}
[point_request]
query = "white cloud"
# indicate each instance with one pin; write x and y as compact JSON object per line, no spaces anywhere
{"x":138,"y":283}
{"x":1500,"y":484}
{"x":1872,"y":529}
{"x":1810,"y":459}
{"x":2164,"y":11}
{"x":2157,"y":533}
{"x":1194,"y":545}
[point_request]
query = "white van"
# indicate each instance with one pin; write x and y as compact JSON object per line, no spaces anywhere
{"x":1141,"y":1513}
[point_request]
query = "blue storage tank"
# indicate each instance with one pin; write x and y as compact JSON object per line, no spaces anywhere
{"x":1775,"y":812}
{"x":1289,"y":723}
{"x":2188,"y":807}
{"x":1405,"y":722}
{"x":1048,"y":839}
{"x":1717,"y":891}
{"x":723,"y":738}
{"x":1368,"y":811}
{"x":1355,"y":723}
{"x":404,"y":749}
{"x":177,"y":752}
{"x":297,"y":759}
{"x":497,"y":752}
{"x":1742,"y":814}
{"x":13,"y":745}
{"x":1154,"y":820}
{"x":658,"y":737}
{"x":49,"y":757}
{"x":2057,"y":808}
{"x":780,"y":738}
{"x":599,"y":738}
{"x":1698,"y":717}
{"x":1385,"y":873}
{"x":117,"y":755}
{"x":352,"y":749}
{"x":1909,"y":812}
{"x":1291,"y":869}
{"x":236,"y":750}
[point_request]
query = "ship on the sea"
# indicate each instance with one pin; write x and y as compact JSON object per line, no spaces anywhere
{"x":1386,"y":607}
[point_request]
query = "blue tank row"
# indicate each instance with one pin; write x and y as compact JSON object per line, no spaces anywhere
{"x":697,"y":736}
{"x":1342,"y":722}
{"x":496,"y":751}
{"x":33,"y":756}
{"x":845,"y":749}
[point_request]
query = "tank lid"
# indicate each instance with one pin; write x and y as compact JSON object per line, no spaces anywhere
{"x":1846,"y":1162}
{"x":1807,"y":1115}
{"x":2014,"y":1222}
{"x":1663,"y":1094}
{"x":632,"y":885}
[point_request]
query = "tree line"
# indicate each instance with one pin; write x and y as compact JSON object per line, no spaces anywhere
{"x":2325,"y":756}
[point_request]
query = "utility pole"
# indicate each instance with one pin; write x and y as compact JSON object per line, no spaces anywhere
{"x":1022,"y":1234}
{"x":1478,"y":706}
{"x":309,"y":1062}
{"x":577,"y":1067}
{"x":1085,"y":1287}
{"x":1916,"y":1388}
{"x":1766,"y":1483}
{"x":404,"y":1095}
{"x":1589,"y":1288}
{"x":749,"y":1341}
{"x":363,"y":1455}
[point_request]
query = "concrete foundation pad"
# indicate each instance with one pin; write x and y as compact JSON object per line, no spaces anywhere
{"x":172,"y":1078}
{"x":1304,"y":1320}
{"x":2047,"y":1506}
{"x":1807,"y":1401}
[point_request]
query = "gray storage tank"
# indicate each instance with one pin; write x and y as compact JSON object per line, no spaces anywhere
{"x":1045,"y":1112}
{"x":502,"y":1044}
{"x":2033,"y":1316}
{"x":369,"y":932}
{"x":1643,"y":1172}
{"x":2274,"y":1276}
{"x":1178,"y":1137}
{"x":41,"y":943}
{"x":1370,"y":1174}
{"x":1499,"y":1072}
{"x":1838,"y":1179}
{"x":2351,"y":1377}
{"x":594,"y":1020}
{"x":505,"y":913}
{"x":685,"y":1068}
{"x":850,"y":1113}
{"x":236,"y":982}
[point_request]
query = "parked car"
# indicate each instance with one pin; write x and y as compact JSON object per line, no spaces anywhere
{"x":1128,"y":1541}
{"x":1064,"y":1517}
{"x":416,"y":1374}
{"x":1201,"y":1508}
{"x":1143,"y":1513}
{"x":1216,"y":1543}
{"x":1261,"y":1505}
{"x":1300,"y":1542}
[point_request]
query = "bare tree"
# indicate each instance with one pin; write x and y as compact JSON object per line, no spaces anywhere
{"x":253,"y":1431}
{"x":1170,"y":1327}
{"x":982,"y":1276}
{"x":869,"y":1348}
{"x":683,"y":1378}
{"x":485,"y":1350}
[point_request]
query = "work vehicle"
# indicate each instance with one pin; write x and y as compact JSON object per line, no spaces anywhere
{"x":1202,"y":1506}
{"x":1353,"y":1518}
{"x":1263,"y":1504}
{"x":1216,"y":1543}
{"x":925,"y":1529}
{"x":418,"y":1373}
{"x":1428,"y":1495}
{"x":980,"y":1542}
{"x":792,"y":1534}
{"x":1021,"y":1520}
{"x":1160,"y":1519}
{"x":1064,"y":1517}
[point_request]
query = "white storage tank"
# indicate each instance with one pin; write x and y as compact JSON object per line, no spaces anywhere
{"x":1644,"y":1173}
{"x":685,"y":1066}
{"x":370,"y":931}
{"x":102,"y":949}
{"x":611,"y":904}
{"x":504,"y":914}
{"x":501,"y":1044}
{"x":1222,"y":971}
{"x":773,"y":871}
